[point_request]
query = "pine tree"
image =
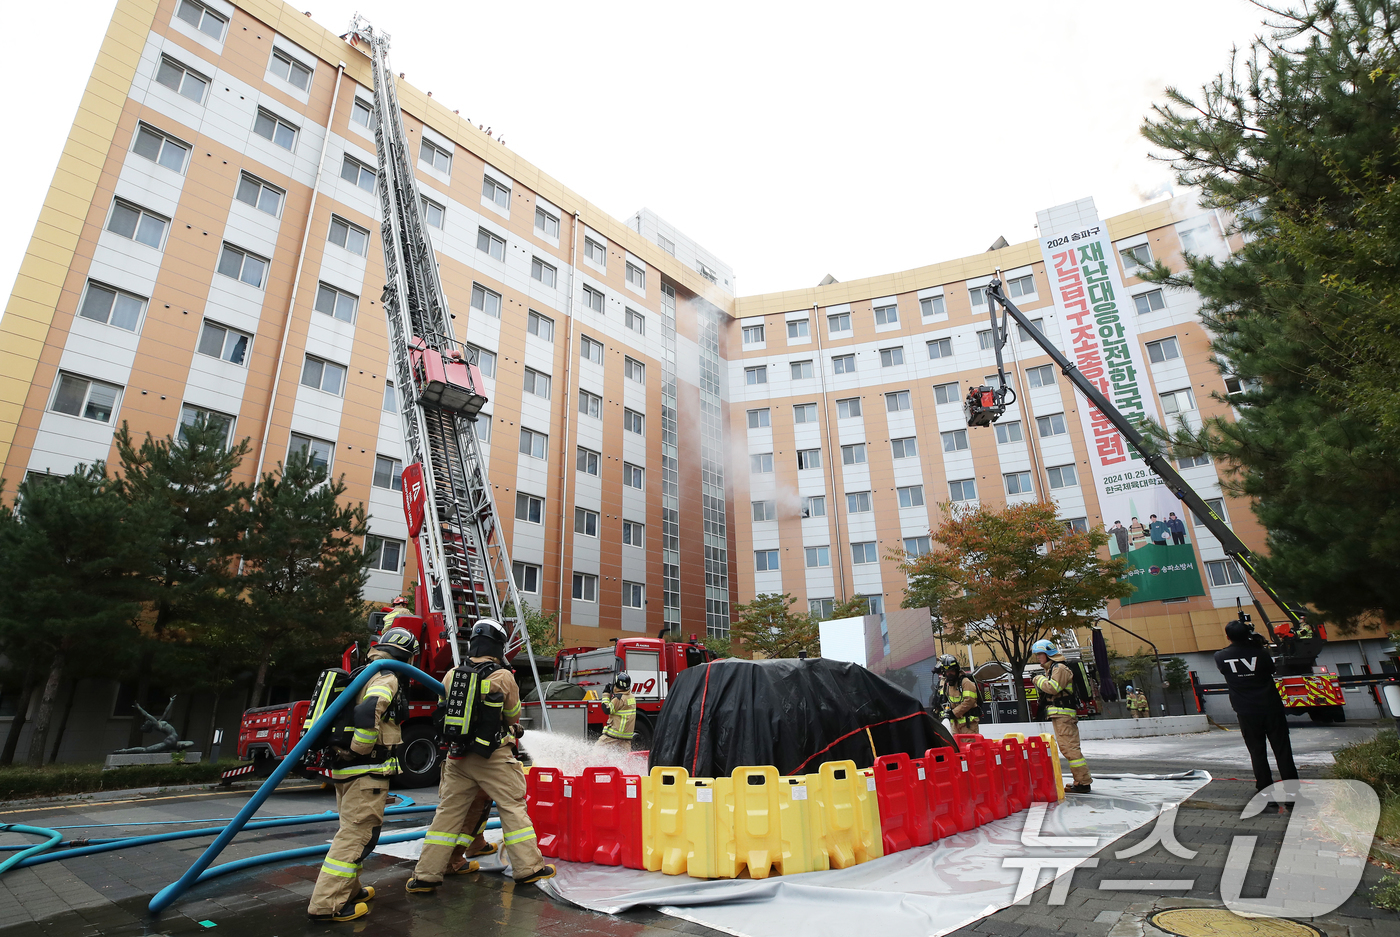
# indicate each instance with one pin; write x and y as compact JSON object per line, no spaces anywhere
{"x":302,"y":568}
{"x":766,"y":626}
{"x":1301,"y":140}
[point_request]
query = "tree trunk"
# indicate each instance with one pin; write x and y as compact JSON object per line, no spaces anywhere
{"x":213,"y":722}
{"x":259,"y":686}
{"x":45,"y":713}
{"x":63,"y":723}
{"x":143,"y":688}
{"x":26,"y":694}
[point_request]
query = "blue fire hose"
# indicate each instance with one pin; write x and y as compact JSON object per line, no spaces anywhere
{"x":53,"y":838}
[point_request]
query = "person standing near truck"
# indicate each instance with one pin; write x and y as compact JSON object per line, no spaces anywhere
{"x":622,"y":714}
{"x":1056,"y":688}
{"x":1249,"y":673}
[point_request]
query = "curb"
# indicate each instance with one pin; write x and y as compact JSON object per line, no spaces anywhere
{"x":98,"y":797}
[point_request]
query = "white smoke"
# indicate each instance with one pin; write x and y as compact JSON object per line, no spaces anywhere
{"x":571,"y":755}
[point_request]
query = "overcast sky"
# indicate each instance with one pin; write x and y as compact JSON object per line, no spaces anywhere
{"x":792,"y":140}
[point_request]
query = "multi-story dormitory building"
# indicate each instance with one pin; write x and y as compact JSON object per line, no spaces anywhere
{"x":659,"y":449}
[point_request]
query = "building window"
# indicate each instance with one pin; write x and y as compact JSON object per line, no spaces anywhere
{"x":889,"y":357}
{"x":985,"y":341}
{"x":323,"y":375}
{"x":992,"y":380}
{"x":319,"y":451}
{"x":633,"y":422}
{"x":764,"y":510}
{"x":529,"y":508}
{"x":964,"y":489}
{"x":761,"y":463}
{"x":482,"y":424}
{"x":906,"y":448}
{"x":1194,"y":240}
{"x":765,"y":561}
{"x":357,"y":173}
{"x":1009,"y":432}
{"x":1192,"y":461}
{"x":946,"y":393}
{"x":590,"y":350}
{"x":1043,"y":376}
{"x":593,"y":299}
{"x":160,"y":148}
{"x":587,"y":461}
{"x":1021,"y":286}
{"x":802,"y":370}
{"x":858,"y":502}
{"x":391,"y":399}
{"x":388,"y":473}
{"x":817,"y":557}
{"x":752,"y":334}
{"x":911,"y":496}
{"x":844,"y":364}
{"x":797,"y":329}
{"x":178,"y":78}
{"x":112,"y":306}
{"x":433,"y":213}
{"x":290,"y":70}
{"x":897,"y":401}
{"x":350,"y":236}
{"x":1139,"y":256}
{"x":760,"y":419}
{"x":274,"y":128}
{"x":202,"y":18}
{"x":1077,"y":525}
{"x":635,"y":321}
{"x":595,"y":252}
{"x":954,"y":440}
{"x":1062,"y":476}
{"x":633,"y":594}
{"x":633,"y":476}
{"x":932,"y":306}
{"x":585,"y":587}
{"x":1162,"y":350}
{"x":527,"y":577}
{"x":916,"y":546}
{"x":533,"y":444}
{"x":241,"y":265}
{"x":1150,"y":301}
{"x":1215,"y":504}
{"x":485,"y":360}
{"x":847,"y":408}
{"x":758,"y":375}
{"x":821,"y":609}
{"x":384,"y":554}
{"x":488,"y":243}
{"x":1051,"y":425}
{"x":1224,"y":573}
{"x":537,"y":383}
{"x":362,"y":113}
{"x":1178,"y":401}
{"x":436,"y":157}
{"x":137,"y":224}
{"x":886,"y":315}
{"x":863,"y":553}
{"x":804,"y":413}
{"x":488,"y":301}
{"x":1025,"y":333}
{"x":1018,"y":483}
{"x":940,"y":348}
{"x":540,"y":326}
{"x":337,"y":303}
{"x":546,"y":224}
{"x":634,"y":534}
{"x":634,"y":370}
{"x":227,"y":344}
{"x":637,"y":276}
{"x":190,"y":415}
{"x":809,"y":459}
{"x":814,"y":506}
{"x":264,"y":196}
{"x":853,"y":454}
{"x":585,"y":522}
{"x":978,"y":294}
{"x":840,"y":322}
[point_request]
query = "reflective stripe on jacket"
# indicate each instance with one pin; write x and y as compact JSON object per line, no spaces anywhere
{"x":622,"y":716}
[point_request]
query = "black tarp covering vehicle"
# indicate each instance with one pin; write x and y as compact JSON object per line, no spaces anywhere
{"x":793,"y":714}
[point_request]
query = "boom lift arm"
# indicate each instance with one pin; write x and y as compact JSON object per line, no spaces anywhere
{"x":984,"y":405}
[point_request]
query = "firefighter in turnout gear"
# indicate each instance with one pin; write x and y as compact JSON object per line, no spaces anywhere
{"x":1137,"y":703}
{"x":483,"y":709}
{"x":622,"y":714}
{"x":399,"y":609}
{"x":361,"y":774}
{"x":964,"y":708}
{"x":1056,"y":688}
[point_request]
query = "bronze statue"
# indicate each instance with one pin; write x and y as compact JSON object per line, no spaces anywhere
{"x":170,"y":743}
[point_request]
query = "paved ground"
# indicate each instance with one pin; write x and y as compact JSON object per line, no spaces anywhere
{"x":107,"y":895}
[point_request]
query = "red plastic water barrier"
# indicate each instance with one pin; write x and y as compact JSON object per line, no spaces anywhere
{"x":979,"y":765}
{"x":548,"y":803}
{"x":1015,"y":770}
{"x":949,"y":790}
{"x":901,"y":790}
{"x":1042,"y":780}
{"x":606,"y":818}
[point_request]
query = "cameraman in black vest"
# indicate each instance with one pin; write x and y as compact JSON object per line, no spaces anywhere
{"x":1249,"y":672}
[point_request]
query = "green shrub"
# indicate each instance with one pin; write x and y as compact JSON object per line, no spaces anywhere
{"x":1377,"y":762}
{"x":1386,"y":894}
{"x":20,"y":782}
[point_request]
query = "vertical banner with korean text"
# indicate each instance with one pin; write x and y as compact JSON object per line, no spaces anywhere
{"x":1098,"y":329}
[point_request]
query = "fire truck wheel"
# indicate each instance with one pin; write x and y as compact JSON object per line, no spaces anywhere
{"x":643,"y":734}
{"x":1328,"y":714}
{"x":420,"y":761}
